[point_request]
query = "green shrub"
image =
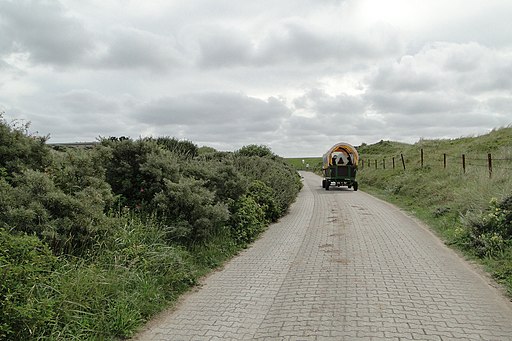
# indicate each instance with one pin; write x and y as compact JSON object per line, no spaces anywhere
{"x":19,"y":150}
{"x":265,"y":198}
{"x":190,"y":210}
{"x":76,"y":169}
{"x":69,"y":224}
{"x":183,"y":148}
{"x":490,"y":232}
{"x":3,"y":173}
{"x":219,"y":176}
{"x":247,"y":220}
{"x":255,"y":150}
{"x":26,"y":301}
{"x":276,"y":174}
{"x":136,"y":170}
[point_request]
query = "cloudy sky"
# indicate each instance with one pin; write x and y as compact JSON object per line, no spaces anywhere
{"x":295,"y":75}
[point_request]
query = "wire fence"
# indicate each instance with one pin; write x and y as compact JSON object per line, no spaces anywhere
{"x":463,"y":161}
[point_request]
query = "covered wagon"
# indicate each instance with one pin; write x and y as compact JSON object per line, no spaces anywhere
{"x":340,"y":166}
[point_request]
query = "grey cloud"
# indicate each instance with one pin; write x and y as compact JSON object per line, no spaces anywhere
{"x":85,"y":115}
{"x":405,"y":75}
{"x":221,"y":47}
{"x":476,"y":68}
{"x":486,"y":23}
{"x":290,"y":41}
{"x":131,"y":48}
{"x":420,"y":102}
{"x":310,"y":136}
{"x":62,"y":126}
{"x":50,"y":35}
{"x":323,"y":104}
{"x":460,"y":120}
{"x":457,"y":58}
{"x":441,"y":80}
{"x":81,"y":115}
{"x":87,"y":102}
{"x":495,"y":77}
{"x":296,"y":40}
{"x":500,"y":105}
{"x":44,"y":30}
{"x":218,"y":113}
{"x":245,"y":11}
{"x":443,"y":66}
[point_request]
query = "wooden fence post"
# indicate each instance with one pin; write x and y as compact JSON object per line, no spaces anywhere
{"x":421,"y":157}
{"x":403,"y":162}
{"x":393,"y":162}
{"x":375,"y":164}
{"x":383,"y":163}
{"x":444,"y":160}
{"x":362,"y":164}
{"x":489,"y":161}
{"x":464,"y":163}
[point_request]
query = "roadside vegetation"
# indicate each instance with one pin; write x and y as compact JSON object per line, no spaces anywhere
{"x":470,"y":209}
{"x":93,"y":242}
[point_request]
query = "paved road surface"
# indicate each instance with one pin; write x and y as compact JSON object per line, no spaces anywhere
{"x":341,"y":265}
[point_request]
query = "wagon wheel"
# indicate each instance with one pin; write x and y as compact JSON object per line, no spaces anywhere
{"x":327,"y":184}
{"x":356,"y":186}
{"x":323,"y":183}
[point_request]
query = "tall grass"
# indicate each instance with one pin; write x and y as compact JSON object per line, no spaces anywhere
{"x":131,"y":276}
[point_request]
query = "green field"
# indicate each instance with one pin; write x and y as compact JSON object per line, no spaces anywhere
{"x":310,"y":163}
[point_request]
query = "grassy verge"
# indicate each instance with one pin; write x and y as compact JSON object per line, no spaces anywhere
{"x":106,"y":296}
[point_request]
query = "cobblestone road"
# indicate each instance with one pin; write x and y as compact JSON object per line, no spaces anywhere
{"x":341,"y":265}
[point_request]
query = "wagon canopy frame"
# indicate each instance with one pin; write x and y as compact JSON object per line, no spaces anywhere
{"x":340,"y":148}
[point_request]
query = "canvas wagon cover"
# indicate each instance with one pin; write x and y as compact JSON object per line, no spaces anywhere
{"x":344,"y":148}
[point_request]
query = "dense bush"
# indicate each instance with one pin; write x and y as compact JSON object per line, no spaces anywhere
{"x":19,"y":151}
{"x":247,"y":221}
{"x":276,"y":174}
{"x":255,"y":150}
{"x":75,"y":169}
{"x":190,"y":209}
{"x":219,"y":176}
{"x":95,"y":241}
{"x":266,"y":199}
{"x":136,"y":170}
{"x":68,"y":223}
{"x":490,"y":232}
{"x":183,"y":148}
